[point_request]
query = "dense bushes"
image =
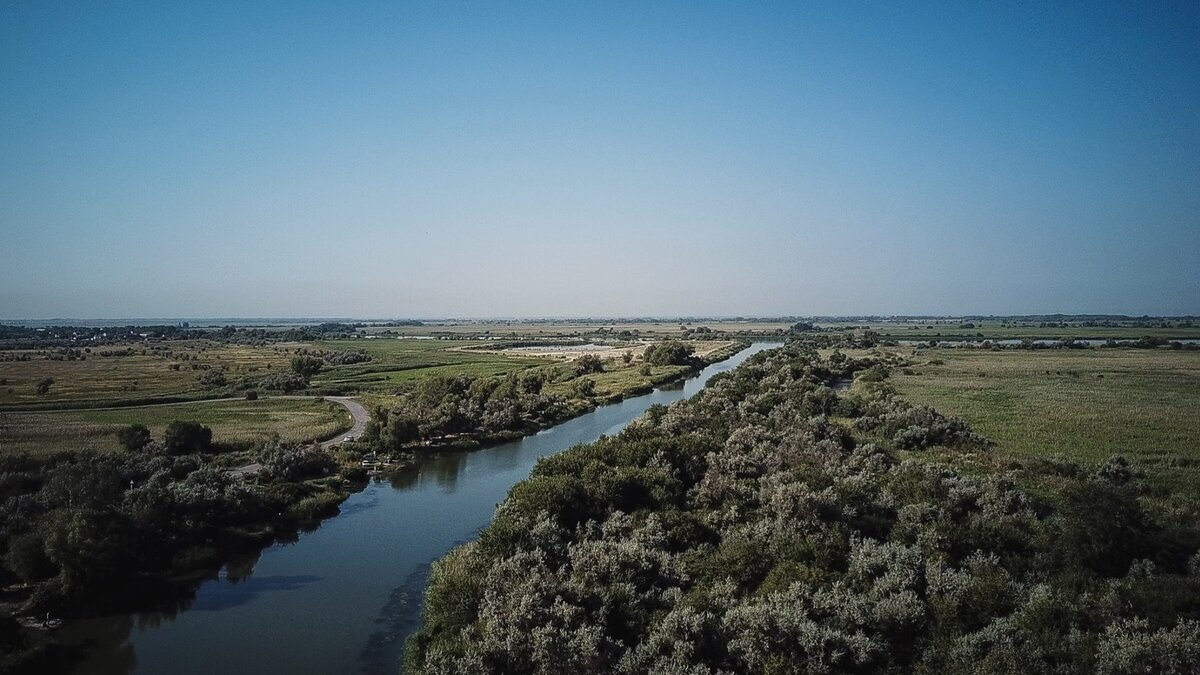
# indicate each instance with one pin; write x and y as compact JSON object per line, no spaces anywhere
{"x":915,"y":427}
{"x":442,"y":407}
{"x":746,"y":531}
{"x":83,"y":526}
{"x":306,"y":366}
{"x":184,"y":437}
{"x":668,"y":353}
{"x":345,"y":358}
{"x":214,"y":377}
{"x":286,"y":382}
{"x":293,"y":463}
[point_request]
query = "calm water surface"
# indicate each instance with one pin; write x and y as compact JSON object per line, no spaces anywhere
{"x":343,"y":598}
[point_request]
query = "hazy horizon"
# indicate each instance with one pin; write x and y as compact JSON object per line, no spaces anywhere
{"x":251,"y":321}
{"x":615,"y":160}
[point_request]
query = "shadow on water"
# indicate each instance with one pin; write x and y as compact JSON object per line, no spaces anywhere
{"x":398,"y":619}
{"x":349,"y":508}
{"x":366,"y":574}
{"x":217,"y":597}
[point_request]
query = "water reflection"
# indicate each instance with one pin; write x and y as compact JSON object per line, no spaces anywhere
{"x":223,"y":596}
{"x":343,"y":598}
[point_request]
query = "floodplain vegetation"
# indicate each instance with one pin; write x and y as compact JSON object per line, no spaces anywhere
{"x":110,"y":503}
{"x":772,"y":524}
{"x":1080,"y":404}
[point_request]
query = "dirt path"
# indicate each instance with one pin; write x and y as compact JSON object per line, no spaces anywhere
{"x":358,"y":414}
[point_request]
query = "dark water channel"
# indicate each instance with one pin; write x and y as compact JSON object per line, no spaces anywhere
{"x":343,"y":598}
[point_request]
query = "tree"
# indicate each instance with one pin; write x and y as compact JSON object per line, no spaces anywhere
{"x":306,"y":366}
{"x":584,"y":387}
{"x":43,"y":385}
{"x":26,"y":557}
{"x":213,"y":378}
{"x":184,"y":437}
{"x":531,"y":383}
{"x":286,"y":382}
{"x":668,"y":353}
{"x":401,"y":430}
{"x":134,"y":436}
{"x":588,"y":363}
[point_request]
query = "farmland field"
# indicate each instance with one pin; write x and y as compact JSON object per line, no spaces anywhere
{"x":1086,"y":404}
{"x":96,"y":390}
{"x":1001,"y":330}
{"x":295,"y":420}
{"x":131,"y":371}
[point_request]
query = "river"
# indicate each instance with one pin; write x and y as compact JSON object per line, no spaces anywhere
{"x":343,"y":598}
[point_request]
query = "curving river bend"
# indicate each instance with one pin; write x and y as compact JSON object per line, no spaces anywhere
{"x":343,"y":598}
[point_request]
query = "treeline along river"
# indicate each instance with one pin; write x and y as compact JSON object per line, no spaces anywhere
{"x":343,"y":598}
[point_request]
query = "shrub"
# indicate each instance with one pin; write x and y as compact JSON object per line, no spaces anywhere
{"x":286,"y":382}
{"x":43,"y":385}
{"x":306,"y":366}
{"x":134,"y":437}
{"x":588,"y":363}
{"x":668,"y":353}
{"x":185,"y":437}
{"x":213,"y":378}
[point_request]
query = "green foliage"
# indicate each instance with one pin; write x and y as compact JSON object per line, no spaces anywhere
{"x":743,"y":531}
{"x":134,"y":437}
{"x":584,"y":387}
{"x":668,"y":353}
{"x":26,"y":558}
{"x":306,"y":366}
{"x":213,"y":378}
{"x":43,"y":385}
{"x":588,"y":363}
{"x":293,"y":464}
{"x":285,"y":382}
{"x":184,"y":437}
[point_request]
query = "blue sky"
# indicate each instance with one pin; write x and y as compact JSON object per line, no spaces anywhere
{"x":570,"y":159}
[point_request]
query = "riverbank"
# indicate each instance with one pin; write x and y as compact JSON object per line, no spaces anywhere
{"x":306,"y":508}
{"x":608,"y":386}
{"x":343,"y":598}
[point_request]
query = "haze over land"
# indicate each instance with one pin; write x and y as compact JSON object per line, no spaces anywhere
{"x":390,"y":159}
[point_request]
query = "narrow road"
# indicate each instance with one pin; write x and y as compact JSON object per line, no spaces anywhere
{"x":357,"y":412}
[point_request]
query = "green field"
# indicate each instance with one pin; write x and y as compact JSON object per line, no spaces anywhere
{"x":112,"y":386}
{"x":132,"y":371}
{"x":397,"y":361}
{"x":295,"y":420}
{"x":1084,"y":404}
{"x":1007,"y":330}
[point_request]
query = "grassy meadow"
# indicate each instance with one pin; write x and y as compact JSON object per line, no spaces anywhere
{"x":232,"y":421}
{"x":98,"y":390}
{"x":1086,"y":404}
{"x":395,"y":362}
{"x":999,"y":330}
{"x":131,"y":371}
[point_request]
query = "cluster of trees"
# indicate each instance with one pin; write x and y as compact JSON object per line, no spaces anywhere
{"x":749,"y":530}
{"x":91,"y":529}
{"x":439,"y":407}
{"x":23,"y":337}
{"x":345,"y":358}
{"x":669,"y":353}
